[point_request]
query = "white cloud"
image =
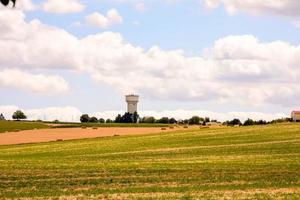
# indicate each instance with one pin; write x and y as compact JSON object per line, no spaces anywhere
{"x":65,"y":114}
{"x":37,"y":83}
{"x":72,"y":114}
{"x":98,"y":20}
{"x":235,"y":70}
{"x":256,"y":7}
{"x":22,"y":5}
{"x":296,"y":23}
{"x":140,"y":6}
{"x":63,"y":6}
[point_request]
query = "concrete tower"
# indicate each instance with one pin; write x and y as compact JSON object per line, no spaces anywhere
{"x":132,"y":101}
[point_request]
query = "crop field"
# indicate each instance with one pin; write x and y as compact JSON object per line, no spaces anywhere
{"x":259,"y":162}
{"x":102,"y":125}
{"x":10,"y":126}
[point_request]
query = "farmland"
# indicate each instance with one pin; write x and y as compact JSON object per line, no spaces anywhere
{"x":258,"y":162}
{"x":10,"y":126}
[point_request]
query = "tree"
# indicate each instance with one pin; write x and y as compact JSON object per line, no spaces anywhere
{"x":127,"y":118}
{"x":164,"y":120}
{"x":6,"y":2}
{"x":101,"y":120}
{"x":84,"y":118}
{"x":261,"y":122}
{"x":93,"y":120}
{"x":194,"y":120}
{"x":118,"y":119}
{"x":207,"y":119}
{"x":186,"y":121}
{"x":249,"y":122}
{"x":135,"y":117}
{"x":148,"y":120}
{"x":172,"y":121}
{"x":19,"y":115}
{"x":235,"y":122}
{"x":109,"y":121}
{"x":2,"y":117}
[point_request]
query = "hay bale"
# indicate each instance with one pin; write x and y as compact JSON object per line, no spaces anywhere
{"x":172,"y":127}
{"x":163,"y":129}
{"x":95,"y":128}
{"x":185,"y":127}
{"x":59,"y":140}
{"x":83,"y":127}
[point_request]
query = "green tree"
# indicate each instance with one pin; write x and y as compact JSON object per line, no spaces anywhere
{"x":118,"y":119}
{"x":109,"y":121}
{"x":207,"y":119}
{"x":148,"y":120}
{"x":235,"y":122}
{"x":2,"y":117}
{"x":163,"y":120}
{"x":101,"y":120}
{"x":84,"y":118}
{"x":249,"y":122}
{"x":127,"y":118}
{"x":19,"y":115}
{"x":93,"y":120}
{"x":172,"y":121}
{"x":135,"y":117}
{"x":194,"y":120}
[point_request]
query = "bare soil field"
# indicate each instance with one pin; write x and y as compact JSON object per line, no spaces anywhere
{"x":58,"y":134}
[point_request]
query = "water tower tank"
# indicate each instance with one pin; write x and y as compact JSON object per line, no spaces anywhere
{"x":132,"y":101}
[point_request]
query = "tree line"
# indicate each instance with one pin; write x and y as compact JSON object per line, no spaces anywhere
{"x":134,"y":118}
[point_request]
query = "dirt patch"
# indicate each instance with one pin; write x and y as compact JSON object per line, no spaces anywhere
{"x":59,"y":134}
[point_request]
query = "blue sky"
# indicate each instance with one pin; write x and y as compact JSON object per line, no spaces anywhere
{"x":229,"y":61}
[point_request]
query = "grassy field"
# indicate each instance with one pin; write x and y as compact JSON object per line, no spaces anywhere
{"x":10,"y":126}
{"x":19,"y":126}
{"x":260,"y":162}
{"x":77,"y":125}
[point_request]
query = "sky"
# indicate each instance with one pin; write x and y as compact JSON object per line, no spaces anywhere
{"x":221,"y":59}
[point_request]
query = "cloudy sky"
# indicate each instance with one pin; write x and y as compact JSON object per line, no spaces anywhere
{"x":216,"y":58}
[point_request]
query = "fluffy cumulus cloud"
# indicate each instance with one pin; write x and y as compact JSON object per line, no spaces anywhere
{"x":72,"y":114}
{"x":23,"y":5}
{"x":236,"y":69}
{"x":63,"y":6}
{"x":140,"y":6}
{"x":98,"y":20}
{"x":38,"y":83}
{"x":66,"y":114}
{"x":275,"y":7}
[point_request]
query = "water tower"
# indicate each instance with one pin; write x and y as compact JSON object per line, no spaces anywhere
{"x":132,"y":101}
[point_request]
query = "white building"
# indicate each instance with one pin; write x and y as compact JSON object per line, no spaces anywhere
{"x":295,"y":116}
{"x":132,"y":101}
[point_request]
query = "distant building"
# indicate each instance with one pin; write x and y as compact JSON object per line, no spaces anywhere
{"x":2,"y":117}
{"x":295,"y":116}
{"x":132,"y":101}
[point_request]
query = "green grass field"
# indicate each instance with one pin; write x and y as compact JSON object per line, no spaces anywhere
{"x":260,"y":162}
{"x":9,"y":126}
{"x":78,"y":125}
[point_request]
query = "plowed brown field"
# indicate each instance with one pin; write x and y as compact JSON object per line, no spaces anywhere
{"x":48,"y":135}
